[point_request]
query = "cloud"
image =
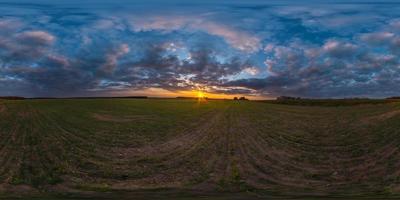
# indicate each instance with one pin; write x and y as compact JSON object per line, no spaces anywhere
{"x":334,"y":69}
{"x":40,"y":38}
{"x":395,"y":45}
{"x":395,"y":24}
{"x":251,"y":83}
{"x":112,"y":58}
{"x":269,"y":48}
{"x":378,"y":38}
{"x":53,"y":60}
{"x":112,"y":23}
{"x":252,"y":70}
{"x":8,"y":25}
{"x":237,"y":38}
{"x":159,"y":69}
{"x":339,"y":49}
{"x":25,"y":46}
{"x":156,"y":68}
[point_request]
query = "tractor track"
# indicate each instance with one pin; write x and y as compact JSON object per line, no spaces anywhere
{"x":288,"y":150}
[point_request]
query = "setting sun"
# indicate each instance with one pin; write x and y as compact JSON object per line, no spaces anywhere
{"x":200,"y":94}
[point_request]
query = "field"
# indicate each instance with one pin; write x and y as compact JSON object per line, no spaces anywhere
{"x":186,"y":148}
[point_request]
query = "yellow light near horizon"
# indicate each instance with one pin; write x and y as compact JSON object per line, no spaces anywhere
{"x":200,"y":94}
{"x":158,"y":92}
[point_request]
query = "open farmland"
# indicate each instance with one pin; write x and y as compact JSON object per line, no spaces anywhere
{"x":198,"y":147}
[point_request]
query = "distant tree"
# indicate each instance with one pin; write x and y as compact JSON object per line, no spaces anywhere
{"x":396,"y":97}
{"x":12,"y":98}
{"x":243,"y":98}
{"x":287,"y":98}
{"x":235,"y":98}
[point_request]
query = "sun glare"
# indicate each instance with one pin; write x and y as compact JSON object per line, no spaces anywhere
{"x":200,"y":94}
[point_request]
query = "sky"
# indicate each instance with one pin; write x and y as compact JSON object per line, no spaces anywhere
{"x":253,"y":48}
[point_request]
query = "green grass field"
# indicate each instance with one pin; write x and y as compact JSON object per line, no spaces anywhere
{"x":87,"y":147}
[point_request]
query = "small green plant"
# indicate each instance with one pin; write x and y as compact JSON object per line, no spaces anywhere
{"x":15,"y":180}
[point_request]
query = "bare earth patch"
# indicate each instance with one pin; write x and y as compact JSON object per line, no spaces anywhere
{"x":18,"y":189}
{"x":2,"y":108}
{"x":113,"y":118}
{"x":381,"y":117}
